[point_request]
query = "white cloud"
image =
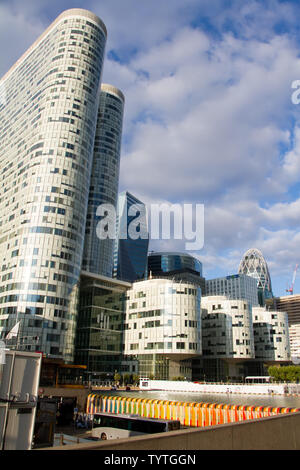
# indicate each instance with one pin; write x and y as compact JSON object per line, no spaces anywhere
{"x":207,"y":126}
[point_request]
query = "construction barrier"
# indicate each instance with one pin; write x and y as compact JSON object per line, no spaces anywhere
{"x":189,"y":414}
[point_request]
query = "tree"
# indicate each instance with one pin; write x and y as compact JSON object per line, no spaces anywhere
{"x":135,"y":379}
{"x":285,"y":373}
{"x":126,"y":379}
{"x":117,"y":377}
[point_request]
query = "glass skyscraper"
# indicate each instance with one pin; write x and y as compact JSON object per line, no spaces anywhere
{"x":48,"y":118}
{"x":254,"y":264}
{"x":132,"y":239}
{"x":166,"y":262}
{"x":98,"y":253}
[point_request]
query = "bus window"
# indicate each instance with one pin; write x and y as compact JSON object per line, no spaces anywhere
{"x":115,"y":426}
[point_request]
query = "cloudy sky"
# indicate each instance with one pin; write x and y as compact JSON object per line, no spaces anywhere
{"x":209,"y":117}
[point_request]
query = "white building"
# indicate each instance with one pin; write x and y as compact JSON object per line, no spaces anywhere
{"x":271,"y":335}
{"x":48,"y":117}
{"x":294,"y":333}
{"x":163,"y":326}
{"x":227,"y":331}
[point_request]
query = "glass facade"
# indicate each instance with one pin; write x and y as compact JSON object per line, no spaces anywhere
{"x":100,"y":327}
{"x":47,"y":132}
{"x":177,"y":266}
{"x":98,"y":253}
{"x":236,"y":286}
{"x":253,"y":264}
{"x":130,"y":255}
{"x":165,"y":262}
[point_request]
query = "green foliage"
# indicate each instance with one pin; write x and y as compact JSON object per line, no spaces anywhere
{"x":285,"y":373}
{"x":126,"y":379}
{"x":135,"y":379}
{"x":117,"y":377}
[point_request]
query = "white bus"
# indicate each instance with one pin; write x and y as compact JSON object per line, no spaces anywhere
{"x":117,"y":426}
{"x":263,"y":379}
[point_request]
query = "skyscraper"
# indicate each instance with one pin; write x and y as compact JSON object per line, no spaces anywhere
{"x":98,"y":253}
{"x":132,"y":239}
{"x":47,"y":132}
{"x":254,"y":264}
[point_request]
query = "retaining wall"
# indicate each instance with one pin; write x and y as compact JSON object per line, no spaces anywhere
{"x":281,"y":432}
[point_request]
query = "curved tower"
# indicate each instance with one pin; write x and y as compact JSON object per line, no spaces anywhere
{"x":98,"y":253}
{"x":254,"y":264}
{"x":47,"y":131}
{"x":166,"y":262}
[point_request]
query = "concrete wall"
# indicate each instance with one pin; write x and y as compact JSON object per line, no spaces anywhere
{"x":80,"y":393}
{"x":280,"y":432}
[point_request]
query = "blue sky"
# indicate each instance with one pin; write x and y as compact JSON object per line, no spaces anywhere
{"x":208,"y":117}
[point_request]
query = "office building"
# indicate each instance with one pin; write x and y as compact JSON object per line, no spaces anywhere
{"x":227,"y":330}
{"x":236,"y":286}
{"x":100,"y":328}
{"x":254,"y":264}
{"x":132,"y":239}
{"x":227,"y":339}
{"x":291,"y":305}
{"x":163,"y":327}
{"x":177,"y":266}
{"x":98,"y":251}
{"x":47,"y":132}
{"x":271,"y":335}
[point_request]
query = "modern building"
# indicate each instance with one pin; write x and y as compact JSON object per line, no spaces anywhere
{"x":227,"y":330}
{"x":177,"y":266}
{"x":236,"y":286}
{"x":132,"y":239}
{"x":227,"y":339}
{"x":100,"y":327}
{"x":98,"y":248}
{"x":254,"y":264}
{"x":47,"y":132}
{"x":294,"y":334}
{"x":291,"y":305}
{"x":163,"y":327}
{"x":271,"y":335}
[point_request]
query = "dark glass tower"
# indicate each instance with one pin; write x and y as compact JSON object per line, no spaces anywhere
{"x":167,"y":262}
{"x":130,"y":254}
{"x":178,"y":266}
{"x":98,"y":253}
